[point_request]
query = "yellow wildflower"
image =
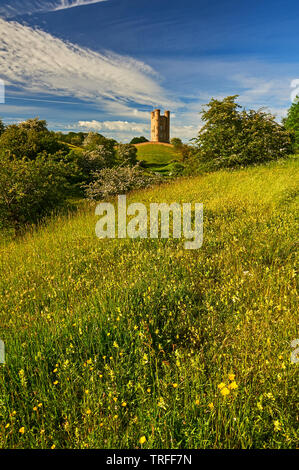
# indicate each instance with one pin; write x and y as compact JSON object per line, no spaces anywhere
{"x":233,"y":385}
{"x":277,"y":425}
{"x":22,"y":430}
{"x":231,"y":376}
{"x":142,"y":440}
{"x":211,"y":405}
{"x":221,"y":386}
{"x":225,"y":391}
{"x":174,"y":385}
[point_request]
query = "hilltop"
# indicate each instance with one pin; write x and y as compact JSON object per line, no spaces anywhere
{"x":158,"y":157}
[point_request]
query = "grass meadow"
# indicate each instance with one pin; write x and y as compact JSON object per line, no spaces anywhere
{"x":142,"y":344}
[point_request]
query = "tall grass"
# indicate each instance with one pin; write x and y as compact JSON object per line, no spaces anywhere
{"x":108,"y":341}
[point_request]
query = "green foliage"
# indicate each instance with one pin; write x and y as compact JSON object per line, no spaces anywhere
{"x":73,"y":138}
{"x":119,"y":180}
{"x":292,"y":122}
{"x":30,"y":189}
{"x":102,"y":156}
{"x":176,"y":142}
{"x":2,"y":127}
{"x":231,"y":137}
{"x":126,"y":154}
{"x":94,"y":140}
{"x":139,"y":140}
{"x":30,"y":138}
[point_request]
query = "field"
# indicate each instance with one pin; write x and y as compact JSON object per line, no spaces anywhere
{"x":158,"y":157}
{"x":108,"y":342}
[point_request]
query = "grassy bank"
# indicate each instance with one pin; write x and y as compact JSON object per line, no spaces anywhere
{"x":109,"y":341}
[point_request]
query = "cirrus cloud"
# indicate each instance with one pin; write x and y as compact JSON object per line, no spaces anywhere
{"x":23,"y":7}
{"x":38,"y":62}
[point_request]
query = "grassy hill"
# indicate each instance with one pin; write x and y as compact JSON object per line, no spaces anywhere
{"x":156,"y":153}
{"x":111,"y":340}
{"x":158,"y":157}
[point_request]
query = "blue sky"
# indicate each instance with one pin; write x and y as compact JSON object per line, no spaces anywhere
{"x":104,"y":65}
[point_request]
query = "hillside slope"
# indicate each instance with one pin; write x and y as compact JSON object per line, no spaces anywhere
{"x":156,"y":153}
{"x":111,"y":340}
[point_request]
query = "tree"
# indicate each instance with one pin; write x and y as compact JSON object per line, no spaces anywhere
{"x":176,"y":142}
{"x":291,"y":122}
{"x":139,"y":140}
{"x":94,"y":160}
{"x":126,"y":154}
{"x":30,"y":138}
{"x":93,"y":140}
{"x":30,"y":189}
{"x":232,"y":137}
{"x":2,"y":127}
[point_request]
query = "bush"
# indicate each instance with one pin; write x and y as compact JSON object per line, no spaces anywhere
{"x":119,"y":180}
{"x":29,"y":190}
{"x":176,"y":142}
{"x":30,"y":138}
{"x":2,"y":127}
{"x":139,"y":140}
{"x":126,"y":154}
{"x":231,"y":137}
{"x":292,"y":123}
{"x":93,"y":140}
{"x":94,"y":160}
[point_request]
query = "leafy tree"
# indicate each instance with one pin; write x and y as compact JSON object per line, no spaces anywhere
{"x":74,"y":138}
{"x":126,"y":154}
{"x":176,"y":142}
{"x":103,"y":156}
{"x":232,"y":137}
{"x":2,"y":127}
{"x":291,"y":122}
{"x":139,"y":140}
{"x":30,"y":189}
{"x":93,"y":140}
{"x":30,"y":138}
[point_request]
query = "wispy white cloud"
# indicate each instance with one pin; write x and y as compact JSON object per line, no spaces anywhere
{"x":11,"y":9}
{"x":114,"y":126}
{"x":38,"y":62}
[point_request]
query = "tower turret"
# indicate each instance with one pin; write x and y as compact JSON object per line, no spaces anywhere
{"x":160,"y":126}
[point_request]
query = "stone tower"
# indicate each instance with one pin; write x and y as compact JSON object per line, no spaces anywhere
{"x":160,"y":126}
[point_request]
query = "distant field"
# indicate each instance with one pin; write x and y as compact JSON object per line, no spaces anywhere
{"x":108,"y":341}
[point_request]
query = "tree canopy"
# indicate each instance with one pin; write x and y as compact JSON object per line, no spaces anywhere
{"x":292,"y":122}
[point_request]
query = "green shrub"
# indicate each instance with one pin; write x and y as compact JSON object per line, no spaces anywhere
{"x":126,"y":154}
{"x":93,"y":160}
{"x":119,"y":180}
{"x":94,"y":140}
{"x":292,"y":123}
{"x":30,"y":189}
{"x":30,"y":138}
{"x":139,"y":140}
{"x":176,"y":142}
{"x":2,"y":127}
{"x":231,"y":137}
